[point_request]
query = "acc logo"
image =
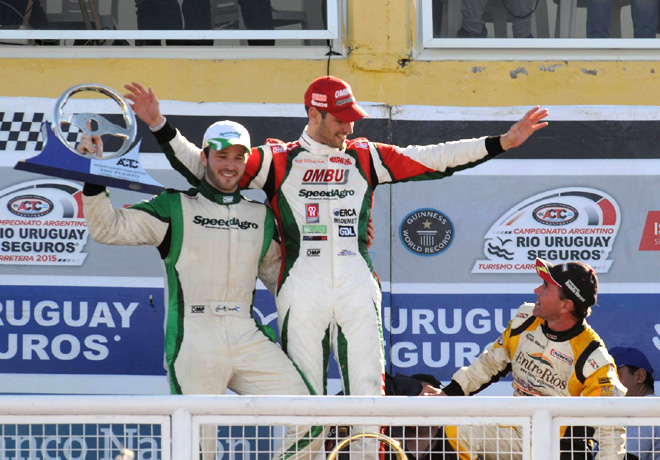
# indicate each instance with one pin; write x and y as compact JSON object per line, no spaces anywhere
{"x":30,"y":206}
{"x":426,"y":232}
{"x":562,"y":224}
{"x":346,"y":230}
{"x":555,"y":214}
{"x":127,"y":163}
{"x":561,"y":356}
{"x":38,"y":237}
{"x":197,"y":308}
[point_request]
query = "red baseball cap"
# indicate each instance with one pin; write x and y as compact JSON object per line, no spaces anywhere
{"x":334,"y":95}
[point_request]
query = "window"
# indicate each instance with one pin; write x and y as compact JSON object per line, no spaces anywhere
{"x":170,"y":23}
{"x":539,"y":27}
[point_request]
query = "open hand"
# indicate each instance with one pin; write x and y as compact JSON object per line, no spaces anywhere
{"x":144,"y":103}
{"x":524,"y":128}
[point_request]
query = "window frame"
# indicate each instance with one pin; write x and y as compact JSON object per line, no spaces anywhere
{"x":336,"y":12}
{"x":507,"y":49}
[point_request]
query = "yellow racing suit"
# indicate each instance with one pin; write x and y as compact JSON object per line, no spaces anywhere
{"x":544,"y":363}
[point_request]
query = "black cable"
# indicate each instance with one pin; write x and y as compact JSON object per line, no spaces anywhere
{"x":330,"y":53}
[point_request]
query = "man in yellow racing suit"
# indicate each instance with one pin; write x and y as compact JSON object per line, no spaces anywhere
{"x":551,"y":351}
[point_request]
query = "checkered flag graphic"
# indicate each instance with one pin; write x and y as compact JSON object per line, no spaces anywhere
{"x":72,"y":133}
{"x":21,"y":131}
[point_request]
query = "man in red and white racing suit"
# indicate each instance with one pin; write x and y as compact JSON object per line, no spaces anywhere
{"x":550,"y":350}
{"x":321,"y":190}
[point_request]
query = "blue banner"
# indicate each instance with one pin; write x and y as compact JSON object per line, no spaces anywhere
{"x":81,"y":330}
{"x":438,"y":333}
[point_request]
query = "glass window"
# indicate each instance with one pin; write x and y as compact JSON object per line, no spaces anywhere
{"x":169,"y":22}
{"x":538,"y":19}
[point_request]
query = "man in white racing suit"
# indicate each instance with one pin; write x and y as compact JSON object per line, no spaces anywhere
{"x":321,"y":190}
{"x":214,"y":243}
{"x":550,"y":350}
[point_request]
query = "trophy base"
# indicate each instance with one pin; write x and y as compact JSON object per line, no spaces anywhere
{"x":123,"y":172}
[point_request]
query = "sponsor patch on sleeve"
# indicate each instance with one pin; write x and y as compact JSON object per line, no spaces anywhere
{"x":609,"y":390}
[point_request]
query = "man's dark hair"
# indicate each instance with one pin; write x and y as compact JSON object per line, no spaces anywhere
{"x":579,"y":311}
{"x":648,"y":381}
{"x":323,"y":112}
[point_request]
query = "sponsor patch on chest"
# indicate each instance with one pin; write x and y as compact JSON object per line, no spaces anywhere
{"x":325,"y":176}
{"x":561,"y":356}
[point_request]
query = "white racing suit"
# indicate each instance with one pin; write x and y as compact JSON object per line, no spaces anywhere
{"x":213,"y":246}
{"x":328,"y":294}
{"x":543,"y":363}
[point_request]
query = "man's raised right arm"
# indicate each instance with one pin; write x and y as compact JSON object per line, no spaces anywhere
{"x":183,"y":155}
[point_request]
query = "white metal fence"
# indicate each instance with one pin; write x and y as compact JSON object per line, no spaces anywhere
{"x":252,"y":428}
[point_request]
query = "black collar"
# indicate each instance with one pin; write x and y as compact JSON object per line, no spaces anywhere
{"x":210,"y":192}
{"x":564,"y":335}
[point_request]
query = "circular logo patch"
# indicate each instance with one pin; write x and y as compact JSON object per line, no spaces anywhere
{"x":426,"y":232}
{"x":555,"y":214}
{"x":30,"y":206}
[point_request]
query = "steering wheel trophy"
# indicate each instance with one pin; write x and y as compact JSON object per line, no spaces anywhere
{"x":60,"y":158}
{"x":393,"y":444}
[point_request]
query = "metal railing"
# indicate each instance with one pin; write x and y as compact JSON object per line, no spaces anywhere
{"x":169,"y":427}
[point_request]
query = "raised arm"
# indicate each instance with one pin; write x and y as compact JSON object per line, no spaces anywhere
{"x":184,"y":156}
{"x":397,"y":164}
{"x":145,"y":104}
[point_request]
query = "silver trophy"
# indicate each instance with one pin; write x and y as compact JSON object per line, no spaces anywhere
{"x":60,"y":158}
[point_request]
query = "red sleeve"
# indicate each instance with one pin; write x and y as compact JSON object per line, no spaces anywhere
{"x":399,"y":166}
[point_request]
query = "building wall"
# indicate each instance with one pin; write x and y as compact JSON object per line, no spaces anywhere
{"x":381,"y":66}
